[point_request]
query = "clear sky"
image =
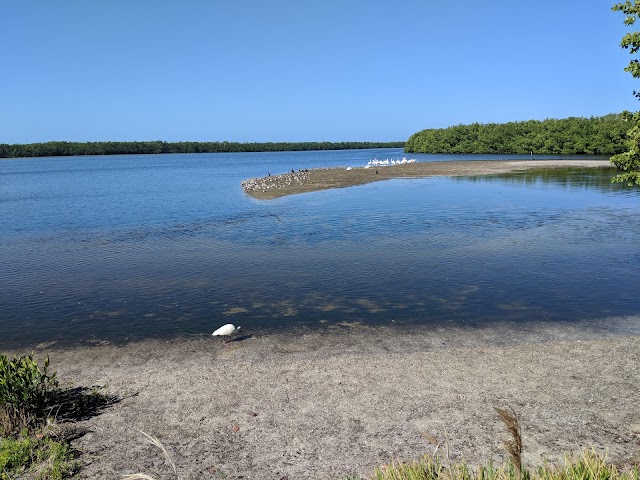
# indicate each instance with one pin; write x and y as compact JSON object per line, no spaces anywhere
{"x":301,"y":70}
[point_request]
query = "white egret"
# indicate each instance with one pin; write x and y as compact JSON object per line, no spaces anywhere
{"x":227,"y":330}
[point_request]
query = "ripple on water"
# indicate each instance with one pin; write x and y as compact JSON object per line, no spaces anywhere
{"x":151,"y":257}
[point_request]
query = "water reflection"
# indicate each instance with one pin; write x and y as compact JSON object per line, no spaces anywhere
{"x":583,"y":178}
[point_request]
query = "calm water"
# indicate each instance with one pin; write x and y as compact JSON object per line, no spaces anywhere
{"x":128,"y":247}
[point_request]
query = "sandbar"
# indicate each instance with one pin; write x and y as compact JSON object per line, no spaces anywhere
{"x":312,"y":180}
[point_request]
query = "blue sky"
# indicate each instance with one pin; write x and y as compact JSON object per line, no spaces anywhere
{"x":284,"y":70}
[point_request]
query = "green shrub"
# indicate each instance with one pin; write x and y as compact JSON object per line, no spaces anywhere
{"x":24,"y":391}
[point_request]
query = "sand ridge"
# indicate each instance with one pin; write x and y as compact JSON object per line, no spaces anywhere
{"x":275,"y":186}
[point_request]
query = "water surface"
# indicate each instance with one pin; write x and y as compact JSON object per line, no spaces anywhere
{"x":127,"y":247}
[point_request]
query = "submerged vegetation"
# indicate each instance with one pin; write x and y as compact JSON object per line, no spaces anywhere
{"x":61,"y":149}
{"x":569,"y":136}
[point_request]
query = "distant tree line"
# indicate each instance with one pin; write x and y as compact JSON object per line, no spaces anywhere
{"x":569,"y":136}
{"x":54,"y":149}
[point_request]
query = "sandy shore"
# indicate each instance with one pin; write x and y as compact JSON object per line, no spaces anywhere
{"x":327,"y":404}
{"x":275,"y":186}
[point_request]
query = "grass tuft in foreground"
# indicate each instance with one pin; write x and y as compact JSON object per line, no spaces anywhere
{"x":44,"y":458}
{"x":587,"y":466}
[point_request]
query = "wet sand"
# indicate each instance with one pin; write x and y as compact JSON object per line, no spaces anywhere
{"x":276,"y":186}
{"x":330,"y":403}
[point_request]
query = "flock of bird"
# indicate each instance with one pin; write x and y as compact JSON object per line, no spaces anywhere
{"x":385,"y":163}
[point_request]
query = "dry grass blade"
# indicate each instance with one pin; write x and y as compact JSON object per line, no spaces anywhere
{"x":13,"y":420}
{"x":154,"y":441}
{"x":138,"y":476}
{"x":432,"y":440}
{"x":514,"y":444}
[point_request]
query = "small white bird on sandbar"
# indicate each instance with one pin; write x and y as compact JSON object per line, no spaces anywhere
{"x":228,"y":330}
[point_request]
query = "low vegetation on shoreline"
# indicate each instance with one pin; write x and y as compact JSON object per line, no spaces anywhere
{"x":588,"y":465}
{"x":34,"y":408}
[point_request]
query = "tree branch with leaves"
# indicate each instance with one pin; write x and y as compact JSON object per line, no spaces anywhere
{"x":629,"y":161}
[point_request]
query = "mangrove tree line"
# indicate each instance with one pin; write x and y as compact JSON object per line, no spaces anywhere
{"x":569,"y":136}
{"x":58,"y":149}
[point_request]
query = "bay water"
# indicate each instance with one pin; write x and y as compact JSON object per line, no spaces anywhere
{"x":128,"y":247}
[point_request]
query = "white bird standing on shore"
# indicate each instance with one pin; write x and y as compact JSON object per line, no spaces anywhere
{"x":227,"y":330}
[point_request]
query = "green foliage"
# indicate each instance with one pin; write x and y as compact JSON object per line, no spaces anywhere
{"x":24,"y":390}
{"x":46,"y":459}
{"x":59,"y":149}
{"x":21,"y":380}
{"x":15,"y":456}
{"x":629,"y":161}
{"x":631,"y":41}
{"x":570,"y":136}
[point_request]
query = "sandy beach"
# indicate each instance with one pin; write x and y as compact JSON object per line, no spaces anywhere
{"x":336,"y":402}
{"x":275,"y":186}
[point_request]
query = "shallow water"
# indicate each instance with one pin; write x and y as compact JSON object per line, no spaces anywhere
{"x":128,"y":247}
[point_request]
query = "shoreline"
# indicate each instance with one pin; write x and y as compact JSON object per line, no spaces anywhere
{"x":326,"y":405}
{"x":313,"y":180}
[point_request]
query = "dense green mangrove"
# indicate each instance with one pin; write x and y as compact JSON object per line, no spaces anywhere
{"x":569,"y":136}
{"x":60,"y":149}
